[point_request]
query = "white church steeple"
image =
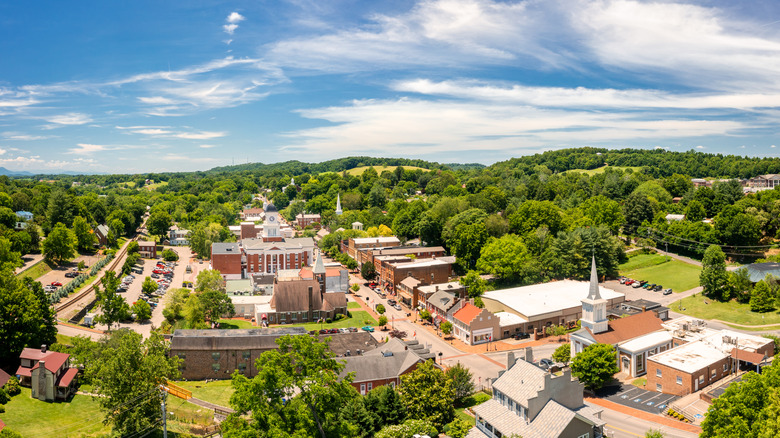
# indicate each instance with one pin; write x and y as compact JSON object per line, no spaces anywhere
{"x":338,"y":204}
{"x":594,"y":308}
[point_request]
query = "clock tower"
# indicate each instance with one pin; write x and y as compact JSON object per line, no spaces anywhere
{"x":271,"y":226}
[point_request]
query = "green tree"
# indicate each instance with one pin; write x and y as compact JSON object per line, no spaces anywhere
{"x":637,"y":209}
{"x":446,"y":328}
{"x":461,"y":379}
{"x":695,"y":211}
{"x":380,"y":309}
{"x":149,"y":285}
{"x":142,"y":310}
{"x":475,"y":285}
{"x":761,"y":299}
{"x":60,"y":208}
{"x":26,"y":318}
{"x":368,"y":271}
{"x":386,"y":403}
{"x":175,"y":301}
{"x":113,"y":306}
{"x":562,"y":354}
{"x":215,"y":304}
{"x":531,"y":215}
{"x":84,"y":236}
{"x":713,"y":277}
{"x":60,"y":244}
{"x":297,"y":392}
{"x":128,"y":377}
{"x":428,"y":394}
{"x":654,"y":433}
{"x":467,"y":242}
{"x":601,"y":210}
{"x":159,"y":223}
{"x":8,"y":258}
{"x":170,"y":255}
{"x":595,"y":365}
{"x":407,"y":429}
{"x":506,"y":257}
{"x":209,"y":279}
{"x":382,"y":320}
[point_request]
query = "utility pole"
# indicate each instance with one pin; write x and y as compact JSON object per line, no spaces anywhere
{"x":164,"y":414}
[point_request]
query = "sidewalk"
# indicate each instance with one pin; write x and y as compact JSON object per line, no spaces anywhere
{"x":658,"y":419}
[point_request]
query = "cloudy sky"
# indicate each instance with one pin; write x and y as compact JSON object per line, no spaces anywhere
{"x":146,"y":85}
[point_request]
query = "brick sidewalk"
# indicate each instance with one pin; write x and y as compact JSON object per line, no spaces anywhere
{"x":658,"y":419}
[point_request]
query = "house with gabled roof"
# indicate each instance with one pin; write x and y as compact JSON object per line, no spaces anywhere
{"x":473,"y":325}
{"x":533,"y":403}
{"x":47,"y":373}
{"x":385,"y":365}
{"x":101,"y":232}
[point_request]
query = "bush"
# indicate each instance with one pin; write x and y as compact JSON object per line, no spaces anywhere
{"x":328,"y":321}
{"x":12,"y":387}
{"x":170,"y":255}
{"x":4,"y":397}
{"x":407,"y":429}
{"x":355,"y":287}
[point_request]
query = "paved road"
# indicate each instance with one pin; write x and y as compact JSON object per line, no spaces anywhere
{"x":620,"y":425}
{"x":29,"y":260}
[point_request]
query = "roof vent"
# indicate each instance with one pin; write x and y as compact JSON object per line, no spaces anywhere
{"x":43,"y":348}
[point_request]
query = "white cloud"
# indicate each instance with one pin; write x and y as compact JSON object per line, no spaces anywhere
{"x":700,"y":147}
{"x":25,"y":137}
{"x":235,"y":17}
{"x":203,"y":135}
{"x":230,"y":28}
{"x":209,"y":146}
{"x":773,"y":146}
{"x":152,"y":131}
{"x":436,"y":127}
{"x":86,"y":148}
{"x":2,"y":151}
{"x":69,"y":119}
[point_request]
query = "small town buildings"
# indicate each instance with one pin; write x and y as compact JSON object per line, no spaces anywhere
{"x":473,"y":325}
{"x":303,"y":220}
{"x":701,"y":356}
{"x":628,"y":308}
{"x":385,"y":365}
{"x":47,"y":373}
{"x":252,"y":214}
{"x":407,"y":292}
{"x":147,"y":249}
{"x":178,"y":236}
{"x":216,"y":354}
{"x":428,"y":271}
{"x":769,"y":181}
{"x":359,"y":243}
{"x":542,"y":305}
{"x":439,"y":305}
{"x":101,"y":233}
{"x":424,"y":291}
{"x":336,"y":279}
{"x":533,"y":403}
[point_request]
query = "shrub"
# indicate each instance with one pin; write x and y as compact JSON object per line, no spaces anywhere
{"x":4,"y":397}
{"x":328,"y":321}
{"x":12,"y":387}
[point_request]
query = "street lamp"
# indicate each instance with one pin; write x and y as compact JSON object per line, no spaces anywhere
{"x":440,"y":354}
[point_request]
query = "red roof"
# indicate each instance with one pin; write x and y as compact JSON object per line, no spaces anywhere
{"x":4,"y":377}
{"x":467,"y":313}
{"x":306,"y":273}
{"x":66,"y":379}
{"x":2,"y":425}
{"x":24,"y":372}
{"x":54,"y":360}
{"x":748,"y":356}
{"x":630,"y":327}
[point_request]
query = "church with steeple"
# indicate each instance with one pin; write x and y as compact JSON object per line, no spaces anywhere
{"x":594,"y":308}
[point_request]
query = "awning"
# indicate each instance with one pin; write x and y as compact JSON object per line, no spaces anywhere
{"x":67,"y":378}
{"x":264,"y":316}
{"x":748,"y":356}
{"x":24,"y":372}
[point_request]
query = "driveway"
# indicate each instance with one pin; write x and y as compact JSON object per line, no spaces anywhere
{"x":637,"y":398}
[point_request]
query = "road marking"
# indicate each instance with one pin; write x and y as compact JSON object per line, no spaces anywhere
{"x":623,"y":430}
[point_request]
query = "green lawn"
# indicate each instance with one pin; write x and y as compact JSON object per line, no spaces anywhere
{"x":730,"y":312}
{"x":37,"y":270}
{"x":353,"y":305}
{"x":31,"y":417}
{"x":217,"y":392}
{"x":674,"y":274}
{"x":358,"y":320}
{"x":601,"y":169}
{"x":235,"y":324}
{"x":642,"y":261}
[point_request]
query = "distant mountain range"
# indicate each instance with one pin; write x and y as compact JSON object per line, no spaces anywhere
{"x":6,"y":172}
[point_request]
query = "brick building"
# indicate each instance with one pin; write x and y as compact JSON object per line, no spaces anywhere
{"x":473,"y":325}
{"x":216,"y":354}
{"x":303,"y":220}
{"x":226,"y":258}
{"x":355,"y":244}
{"x":147,"y":249}
{"x":428,"y":271}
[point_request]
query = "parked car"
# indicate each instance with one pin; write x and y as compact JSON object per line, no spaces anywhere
{"x":353,"y":329}
{"x":71,"y":274}
{"x":521,"y":335}
{"x":642,"y":282}
{"x":628,"y":282}
{"x":668,"y":291}
{"x":546,"y":364}
{"x":368,"y":328}
{"x":56,"y":283}
{"x":657,"y":288}
{"x":636,"y":285}
{"x":391,"y":302}
{"x":623,"y":280}
{"x":333,"y":330}
{"x":397,"y":306}
{"x":649,"y":286}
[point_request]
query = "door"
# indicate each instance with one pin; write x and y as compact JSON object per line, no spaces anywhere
{"x":627,"y":365}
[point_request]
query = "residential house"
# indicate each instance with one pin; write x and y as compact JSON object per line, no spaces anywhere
{"x":440,"y":304}
{"x":424,"y":291}
{"x":473,"y":325}
{"x":385,"y":365}
{"x":147,"y":249}
{"x":23,"y":218}
{"x":47,"y":373}
{"x":759,"y":271}
{"x":533,"y":403}
{"x":178,"y":236}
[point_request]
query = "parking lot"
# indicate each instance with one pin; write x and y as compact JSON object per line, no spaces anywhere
{"x":637,"y":398}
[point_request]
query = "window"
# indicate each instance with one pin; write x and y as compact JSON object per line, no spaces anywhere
{"x":658,"y":372}
{"x":241,"y":368}
{"x":215,"y":366}
{"x":640,"y":363}
{"x":246,"y":354}
{"x":714,"y":373}
{"x":679,"y":380}
{"x":182,"y":356}
{"x":658,"y":387}
{"x":215,"y":355}
{"x":294,"y":316}
{"x":370,"y":385}
{"x":725,"y":367}
{"x":584,"y":435}
{"x":701,"y":380}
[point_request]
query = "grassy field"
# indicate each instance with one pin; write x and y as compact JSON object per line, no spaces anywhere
{"x":642,"y":261}
{"x":359,"y":318}
{"x":353,"y":305}
{"x":31,"y":417}
{"x":156,"y":185}
{"x":674,"y":274}
{"x":217,"y":392}
{"x":602,"y":169}
{"x":729,"y":312}
{"x":357,"y":171}
{"x":37,"y":270}
{"x":235,"y":324}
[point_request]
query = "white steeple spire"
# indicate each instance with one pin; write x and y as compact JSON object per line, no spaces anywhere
{"x":319,"y":266}
{"x":593,"y":293}
{"x":338,"y":204}
{"x":594,"y":307}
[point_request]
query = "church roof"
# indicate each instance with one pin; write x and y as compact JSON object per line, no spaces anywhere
{"x":271,"y":208}
{"x":630,"y":327}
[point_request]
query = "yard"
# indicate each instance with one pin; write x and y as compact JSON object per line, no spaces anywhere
{"x":671,"y":274}
{"x":359,"y":319}
{"x":216,"y":391}
{"x":31,"y":417}
{"x":353,"y":305}
{"x":701,"y":307}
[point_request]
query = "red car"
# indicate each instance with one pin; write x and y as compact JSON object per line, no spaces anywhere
{"x":56,"y":283}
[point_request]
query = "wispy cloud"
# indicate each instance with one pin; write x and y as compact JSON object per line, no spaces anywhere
{"x":233,"y":19}
{"x":69,"y":119}
{"x":209,"y":146}
{"x":203,"y":135}
{"x":25,"y":137}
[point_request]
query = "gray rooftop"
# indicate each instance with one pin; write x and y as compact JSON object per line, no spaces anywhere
{"x":225,"y":248}
{"x":758,"y":271}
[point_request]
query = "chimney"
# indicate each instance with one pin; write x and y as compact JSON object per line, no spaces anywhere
{"x":43,"y":348}
{"x":437,"y":288}
{"x":529,"y":355}
{"x":510,"y":359}
{"x":311,"y":303}
{"x":644,"y":309}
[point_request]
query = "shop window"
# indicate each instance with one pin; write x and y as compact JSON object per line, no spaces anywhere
{"x":215,"y":356}
{"x":679,"y":380}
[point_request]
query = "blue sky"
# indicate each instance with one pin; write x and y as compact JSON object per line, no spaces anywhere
{"x":149,"y":86}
